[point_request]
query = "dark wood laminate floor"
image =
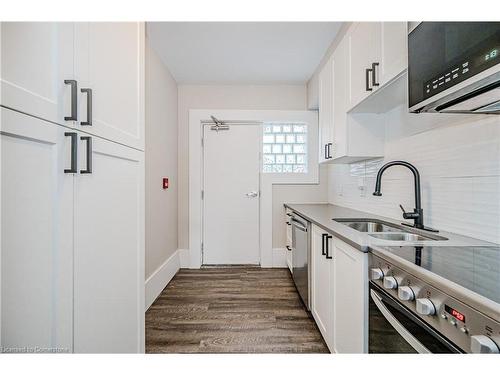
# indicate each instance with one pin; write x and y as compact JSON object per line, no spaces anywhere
{"x":231,"y":310}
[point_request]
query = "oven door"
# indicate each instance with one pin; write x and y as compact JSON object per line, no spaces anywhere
{"x":395,"y":329}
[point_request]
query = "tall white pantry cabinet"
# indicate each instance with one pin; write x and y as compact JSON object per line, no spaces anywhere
{"x":72,"y":187}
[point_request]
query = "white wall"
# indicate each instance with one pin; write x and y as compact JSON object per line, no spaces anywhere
{"x":458,"y":157}
{"x":277,"y":97}
{"x":161,"y":161}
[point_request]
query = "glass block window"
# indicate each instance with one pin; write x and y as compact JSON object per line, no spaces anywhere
{"x":284,"y":148}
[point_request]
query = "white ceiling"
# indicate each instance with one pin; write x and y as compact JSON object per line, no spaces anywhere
{"x":242,"y":52}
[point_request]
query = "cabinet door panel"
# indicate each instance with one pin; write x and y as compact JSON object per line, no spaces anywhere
{"x":109,"y":59}
{"x":36,"y":59}
{"x":340,"y":98}
{"x":364,"y":40}
{"x":321,"y":288}
{"x":351,"y":297}
{"x":325,"y":108}
{"x":394,"y":50}
{"x":109,"y":251}
{"x":37,"y":234}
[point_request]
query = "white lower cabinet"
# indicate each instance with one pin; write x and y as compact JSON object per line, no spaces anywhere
{"x":322,"y":283}
{"x":339,"y":293}
{"x":72,"y":245}
{"x":350,"y":305}
{"x":36,"y":234}
{"x":109,"y":238}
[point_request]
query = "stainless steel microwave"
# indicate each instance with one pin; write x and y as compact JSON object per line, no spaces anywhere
{"x":454,"y":67}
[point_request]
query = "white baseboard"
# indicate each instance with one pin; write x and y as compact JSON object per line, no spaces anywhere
{"x":279,"y":258}
{"x":161,"y":277}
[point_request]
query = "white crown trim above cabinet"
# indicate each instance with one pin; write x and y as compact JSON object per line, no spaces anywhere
{"x":72,"y":251}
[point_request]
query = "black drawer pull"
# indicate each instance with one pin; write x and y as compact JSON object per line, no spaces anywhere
{"x":367,"y":80}
{"x":74,"y":109}
{"x":74,"y":152}
{"x":89,"y":155}
{"x":323,"y":237}
{"x":288,"y":248}
{"x":89,"y":107}
{"x":328,"y":256}
{"x":374,"y":74}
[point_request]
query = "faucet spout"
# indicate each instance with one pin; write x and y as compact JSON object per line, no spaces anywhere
{"x":417,"y":215}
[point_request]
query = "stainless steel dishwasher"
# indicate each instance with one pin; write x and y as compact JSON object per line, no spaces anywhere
{"x":301,"y":244}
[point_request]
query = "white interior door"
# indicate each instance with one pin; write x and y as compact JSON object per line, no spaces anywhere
{"x":231,"y":195}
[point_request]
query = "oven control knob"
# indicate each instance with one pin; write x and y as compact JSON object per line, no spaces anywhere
{"x":425,"y":306}
{"x":390,"y":282}
{"x":405,"y":293}
{"x":376,"y":274}
{"x":483,"y":344}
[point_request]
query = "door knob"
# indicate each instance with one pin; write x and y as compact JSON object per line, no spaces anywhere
{"x":252,"y":194}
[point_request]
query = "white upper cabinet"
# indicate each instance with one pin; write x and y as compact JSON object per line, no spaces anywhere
{"x":344,"y":138}
{"x":378,"y":54}
{"x":326,"y":111}
{"x":36,"y":59}
{"x":394,"y":50}
{"x":364,"y":46}
{"x":109,"y":60}
{"x":86,"y":75}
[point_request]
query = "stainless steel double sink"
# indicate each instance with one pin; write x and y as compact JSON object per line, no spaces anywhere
{"x":388,"y":231}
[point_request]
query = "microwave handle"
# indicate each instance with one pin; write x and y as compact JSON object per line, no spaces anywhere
{"x":410,"y":339}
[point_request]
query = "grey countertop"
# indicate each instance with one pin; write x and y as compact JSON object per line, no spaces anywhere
{"x":323,"y":215}
{"x":465,"y":268}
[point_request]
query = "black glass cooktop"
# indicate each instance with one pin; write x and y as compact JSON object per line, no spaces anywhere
{"x":475,"y":268}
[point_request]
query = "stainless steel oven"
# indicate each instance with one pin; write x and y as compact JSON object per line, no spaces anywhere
{"x":410,"y":315}
{"x":454,"y":67}
{"x":395,"y":329}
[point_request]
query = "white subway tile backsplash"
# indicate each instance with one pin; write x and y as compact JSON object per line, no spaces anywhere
{"x":459,"y":162}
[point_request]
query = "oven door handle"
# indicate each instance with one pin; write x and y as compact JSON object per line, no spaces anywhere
{"x":410,"y":339}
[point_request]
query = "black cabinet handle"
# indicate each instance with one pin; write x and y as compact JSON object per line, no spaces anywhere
{"x":89,"y":155}
{"x":323,"y":237}
{"x":288,"y":248}
{"x":374,"y":74}
{"x":328,"y":256}
{"x":329,"y":150}
{"x":74,"y":110}
{"x":288,"y":223}
{"x":326,"y":151}
{"x":89,"y":107}
{"x":74,"y":150}
{"x":367,"y":79}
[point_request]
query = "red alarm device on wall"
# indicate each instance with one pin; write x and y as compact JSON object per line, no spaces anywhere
{"x":165,"y":182}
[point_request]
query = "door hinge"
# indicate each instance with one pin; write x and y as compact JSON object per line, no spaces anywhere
{"x":202,"y":194}
{"x":202,"y":142}
{"x":202,"y":246}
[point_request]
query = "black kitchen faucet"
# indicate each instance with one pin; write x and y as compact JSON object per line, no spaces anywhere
{"x":418,"y":214}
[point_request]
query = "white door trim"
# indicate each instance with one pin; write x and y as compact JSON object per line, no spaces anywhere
{"x":196,"y":119}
